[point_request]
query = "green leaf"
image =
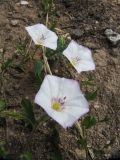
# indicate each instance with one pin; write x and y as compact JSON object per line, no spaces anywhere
{"x":27,"y":112}
{"x":56,"y":156}
{"x":55,"y":140}
{"x":15,"y":115}
{"x":43,"y":119}
{"x":7,"y":64}
{"x":47,"y":4}
{"x":91,"y":95}
{"x":26,"y":156}
{"x":53,"y":24}
{"x":61,"y":45}
{"x":87,"y":83}
{"x":38,"y":67}
{"x":98,"y":152}
{"x":82,"y":142}
{"x":89,"y":121}
{"x":61,"y":41}
{"x":3,"y":152}
{"x":2,"y":105}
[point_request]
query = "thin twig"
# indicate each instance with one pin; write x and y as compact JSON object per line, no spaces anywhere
{"x":47,"y":19}
{"x":46,"y":61}
{"x":47,"y":67}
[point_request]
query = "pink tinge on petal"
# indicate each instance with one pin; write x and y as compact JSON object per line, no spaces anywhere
{"x":62,"y":99}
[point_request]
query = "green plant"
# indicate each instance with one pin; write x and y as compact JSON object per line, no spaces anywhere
{"x":55,"y":140}
{"x":54,"y":55}
{"x":82,"y":142}
{"x":89,"y":121}
{"x":91,"y":95}
{"x":38,"y":68}
{"x":28,"y":112}
{"x":26,"y":156}
{"x":2,"y":105}
{"x":47,"y":5}
{"x":3,"y":152}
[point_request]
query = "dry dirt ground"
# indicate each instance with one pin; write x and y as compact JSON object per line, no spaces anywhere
{"x":86,"y":24}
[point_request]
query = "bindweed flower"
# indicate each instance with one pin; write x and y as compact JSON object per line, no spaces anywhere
{"x":62,"y":99}
{"x":79,"y":56}
{"x":41,"y":35}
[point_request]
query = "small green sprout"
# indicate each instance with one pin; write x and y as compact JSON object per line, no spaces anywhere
{"x":28,"y":113}
{"x":26,"y":156}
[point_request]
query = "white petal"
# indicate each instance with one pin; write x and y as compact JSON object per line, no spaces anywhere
{"x":75,"y":108}
{"x":51,"y":40}
{"x":85,"y":62}
{"x":69,"y":88}
{"x":75,"y":104}
{"x":85,"y":66}
{"x":50,"y":87}
{"x":43,"y":97}
{"x":39,"y":30}
{"x":35,"y":32}
{"x":74,"y":113}
{"x":71,"y":113}
{"x":64,"y":119}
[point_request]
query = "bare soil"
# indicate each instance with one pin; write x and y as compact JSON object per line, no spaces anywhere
{"x":86,"y":23}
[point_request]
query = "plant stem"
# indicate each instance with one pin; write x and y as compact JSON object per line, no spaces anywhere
{"x":46,"y":61}
{"x":47,"y":19}
{"x":79,"y":128}
{"x":88,"y":150}
{"x":47,"y":66}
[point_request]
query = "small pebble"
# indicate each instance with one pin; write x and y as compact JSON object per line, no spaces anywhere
{"x":112,"y":36}
{"x":108,"y":142}
{"x":14,"y":22}
{"x":1,"y":50}
{"x":24,"y":2}
{"x":81,"y":153}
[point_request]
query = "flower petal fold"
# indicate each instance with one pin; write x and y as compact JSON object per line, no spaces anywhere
{"x":74,"y":104}
{"x":41,"y":35}
{"x":80,"y":57}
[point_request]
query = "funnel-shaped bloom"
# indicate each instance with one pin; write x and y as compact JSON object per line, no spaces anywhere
{"x":62,"y":99}
{"x":41,"y":35}
{"x":79,"y":56}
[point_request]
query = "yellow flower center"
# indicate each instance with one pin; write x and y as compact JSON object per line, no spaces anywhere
{"x":75,"y":61}
{"x":56,"y":106}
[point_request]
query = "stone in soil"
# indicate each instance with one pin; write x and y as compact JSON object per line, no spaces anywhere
{"x":112,"y":36}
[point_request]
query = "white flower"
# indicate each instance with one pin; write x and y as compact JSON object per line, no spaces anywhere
{"x":79,"y":56}
{"x":62,"y":99}
{"x":41,"y":35}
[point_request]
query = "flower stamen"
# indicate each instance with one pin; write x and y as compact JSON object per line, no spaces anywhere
{"x":58,"y":104}
{"x":41,"y":40}
{"x":75,"y":61}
